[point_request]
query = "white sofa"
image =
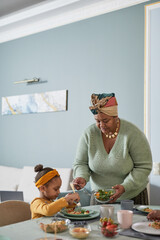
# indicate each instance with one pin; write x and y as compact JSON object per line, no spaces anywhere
{"x":22,"y":179}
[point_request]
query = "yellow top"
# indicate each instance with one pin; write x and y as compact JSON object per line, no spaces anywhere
{"x":41,"y":207}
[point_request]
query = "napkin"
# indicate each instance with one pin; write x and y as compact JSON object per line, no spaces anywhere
{"x":131,"y":233}
{"x":136,"y":211}
{"x":87,"y":221}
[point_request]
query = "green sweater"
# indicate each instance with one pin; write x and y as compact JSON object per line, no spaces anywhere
{"x":129,"y":162}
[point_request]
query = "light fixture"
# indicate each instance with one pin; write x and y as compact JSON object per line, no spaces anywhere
{"x":33,"y":80}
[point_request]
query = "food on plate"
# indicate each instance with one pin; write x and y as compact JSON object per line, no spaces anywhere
{"x":155,"y":224}
{"x":76,"y":211}
{"x":147,"y":210}
{"x":79,"y":232}
{"x":57,"y":226}
{"x":108,"y":227}
{"x":103,"y":195}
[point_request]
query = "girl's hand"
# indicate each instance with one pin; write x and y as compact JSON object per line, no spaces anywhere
{"x":79,"y":183}
{"x":72,"y":197}
{"x":119,"y":191}
{"x":154,"y":215}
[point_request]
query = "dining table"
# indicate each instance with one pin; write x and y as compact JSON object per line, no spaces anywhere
{"x":30,"y":229}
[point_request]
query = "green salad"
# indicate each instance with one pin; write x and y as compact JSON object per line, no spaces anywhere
{"x":104,"y":195}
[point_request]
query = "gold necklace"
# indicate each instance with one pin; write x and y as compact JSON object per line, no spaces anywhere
{"x":113,"y":135}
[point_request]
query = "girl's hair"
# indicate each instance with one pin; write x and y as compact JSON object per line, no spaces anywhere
{"x":41,"y":171}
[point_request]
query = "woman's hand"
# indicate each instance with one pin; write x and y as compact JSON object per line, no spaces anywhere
{"x":71,"y":198}
{"x":154,"y":215}
{"x":79,"y":183}
{"x":119,"y":191}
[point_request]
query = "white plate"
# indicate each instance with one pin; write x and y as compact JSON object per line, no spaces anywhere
{"x":143,"y":227}
{"x":140,"y":208}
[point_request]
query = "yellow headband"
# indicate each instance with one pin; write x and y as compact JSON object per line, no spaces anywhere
{"x":45,"y":178}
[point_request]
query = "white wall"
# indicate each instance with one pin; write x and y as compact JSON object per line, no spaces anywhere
{"x":155,"y":101}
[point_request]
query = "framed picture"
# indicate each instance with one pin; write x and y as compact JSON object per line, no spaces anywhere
{"x":54,"y":101}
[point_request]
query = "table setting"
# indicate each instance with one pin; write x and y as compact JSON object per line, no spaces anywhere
{"x":117,"y":221}
{"x":129,"y":223}
{"x":139,"y":229}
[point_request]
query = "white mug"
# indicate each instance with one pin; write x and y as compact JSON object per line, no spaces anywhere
{"x":107,"y":211}
{"x":124,"y":218}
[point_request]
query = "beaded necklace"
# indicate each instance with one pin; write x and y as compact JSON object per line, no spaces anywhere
{"x":113,"y":135}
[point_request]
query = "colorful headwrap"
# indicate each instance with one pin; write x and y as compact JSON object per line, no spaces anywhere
{"x":105,"y":103}
{"x":45,"y":178}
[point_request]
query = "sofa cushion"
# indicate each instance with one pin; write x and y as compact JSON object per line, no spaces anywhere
{"x":9,"y":178}
{"x":66,"y":176}
{"x":28,"y":187}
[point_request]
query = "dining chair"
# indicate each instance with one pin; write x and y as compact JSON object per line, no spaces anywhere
{"x":14,"y":211}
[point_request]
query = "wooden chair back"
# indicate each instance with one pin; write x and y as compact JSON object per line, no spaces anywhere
{"x":14,"y":211}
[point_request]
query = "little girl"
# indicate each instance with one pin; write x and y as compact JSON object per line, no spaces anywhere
{"x":48,"y":182}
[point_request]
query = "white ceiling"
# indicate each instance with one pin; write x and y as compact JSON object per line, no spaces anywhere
{"x":20,"y":18}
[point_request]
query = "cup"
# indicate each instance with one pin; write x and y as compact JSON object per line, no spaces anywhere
{"x":125,"y":218}
{"x":107,"y":211}
{"x":127,"y":205}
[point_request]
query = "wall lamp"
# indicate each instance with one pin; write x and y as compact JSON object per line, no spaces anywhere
{"x":29,"y":81}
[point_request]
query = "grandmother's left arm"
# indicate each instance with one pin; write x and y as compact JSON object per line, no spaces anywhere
{"x":140,"y":153}
{"x":141,"y":156}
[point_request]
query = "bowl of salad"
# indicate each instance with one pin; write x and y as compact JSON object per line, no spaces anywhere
{"x":103,"y":196}
{"x":108,"y":227}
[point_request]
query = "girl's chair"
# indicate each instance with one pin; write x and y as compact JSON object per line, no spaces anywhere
{"x":14,"y":211}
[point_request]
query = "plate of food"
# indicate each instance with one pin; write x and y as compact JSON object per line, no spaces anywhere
{"x":81,"y":212}
{"x":93,"y":214}
{"x":147,"y":227}
{"x":147,"y":209}
{"x":103,"y":196}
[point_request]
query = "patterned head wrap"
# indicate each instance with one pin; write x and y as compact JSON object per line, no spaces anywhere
{"x":105,"y":103}
{"x":46,"y":177}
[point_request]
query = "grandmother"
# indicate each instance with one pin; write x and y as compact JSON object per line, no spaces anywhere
{"x":113,"y":153}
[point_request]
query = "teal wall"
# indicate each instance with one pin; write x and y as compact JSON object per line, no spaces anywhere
{"x":100,"y":54}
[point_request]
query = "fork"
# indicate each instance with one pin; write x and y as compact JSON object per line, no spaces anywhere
{"x":78,"y":204}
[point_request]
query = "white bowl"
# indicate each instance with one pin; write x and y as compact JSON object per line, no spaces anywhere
{"x":56,"y":223}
